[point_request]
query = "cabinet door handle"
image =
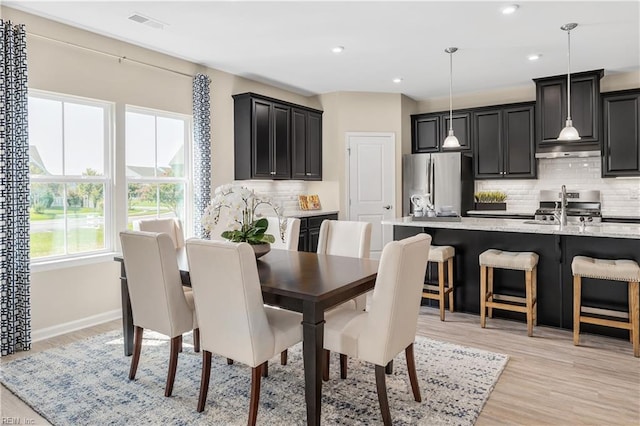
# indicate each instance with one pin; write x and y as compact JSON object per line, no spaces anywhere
{"x":308,"y":174}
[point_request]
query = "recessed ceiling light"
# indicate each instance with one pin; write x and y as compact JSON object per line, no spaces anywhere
{"x":338,"y":49}
{"x":397,"y":80}
{"x":534,"y":57}
{"x":508,"y":10}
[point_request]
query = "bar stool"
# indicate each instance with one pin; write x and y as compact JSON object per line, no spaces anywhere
{"x":441,"y":255}
{"x":521,"y":261}
{"x":615,"y":270}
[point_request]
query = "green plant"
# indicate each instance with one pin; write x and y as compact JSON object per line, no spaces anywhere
{"x":490,"y":197}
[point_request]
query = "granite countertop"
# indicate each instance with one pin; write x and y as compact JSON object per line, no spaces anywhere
{"x":308,"y":213}
{"x":607,"y":229}
{"x":500,"y":213}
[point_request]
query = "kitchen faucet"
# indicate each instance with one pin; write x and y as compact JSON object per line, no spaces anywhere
{"x":562,"y":215}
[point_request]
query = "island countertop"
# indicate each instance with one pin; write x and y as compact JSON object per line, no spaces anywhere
{"x":607,"y":229}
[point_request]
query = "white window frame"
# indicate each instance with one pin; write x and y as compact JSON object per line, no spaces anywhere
{"x":185,"y":179}
{"x":71,"y":259}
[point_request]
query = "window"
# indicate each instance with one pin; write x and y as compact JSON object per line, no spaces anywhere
{"x":70,"y":168}
{"x":157,"y":147}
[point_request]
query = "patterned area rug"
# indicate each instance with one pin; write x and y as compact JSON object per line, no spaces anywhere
{"x":85,"y":383}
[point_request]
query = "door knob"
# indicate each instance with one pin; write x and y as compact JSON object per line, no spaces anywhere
{"x":387,"y":207}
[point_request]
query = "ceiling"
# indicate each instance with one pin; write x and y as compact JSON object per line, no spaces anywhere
{"x":288,"y":44}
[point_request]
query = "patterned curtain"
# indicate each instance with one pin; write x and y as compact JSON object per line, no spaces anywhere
{"x":201,"y":150}
{"x":14,"y":191}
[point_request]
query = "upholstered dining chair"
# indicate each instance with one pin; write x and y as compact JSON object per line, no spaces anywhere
{"x":291,"y":233}
{"x":170,"y":226}
{"x":233,"y":319}
{"x":346,"y":238}
{"x":389,"y":325}
{"x":158,"y":301}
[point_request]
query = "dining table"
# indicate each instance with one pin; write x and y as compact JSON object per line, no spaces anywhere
{"x":304,"y":282}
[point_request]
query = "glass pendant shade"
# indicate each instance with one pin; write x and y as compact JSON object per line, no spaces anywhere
{"x":569,"y":133}
{"x":451,"y":141}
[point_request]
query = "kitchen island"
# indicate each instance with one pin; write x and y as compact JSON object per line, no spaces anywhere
{"x":556,"y":248}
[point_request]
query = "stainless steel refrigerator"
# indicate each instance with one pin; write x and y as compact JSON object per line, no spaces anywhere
{"x":447,"y":176}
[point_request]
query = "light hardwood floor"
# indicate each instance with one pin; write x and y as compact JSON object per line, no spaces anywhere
{"x":547,"y":379}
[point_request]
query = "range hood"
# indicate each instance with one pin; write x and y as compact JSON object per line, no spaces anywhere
{"x":567,"y":154}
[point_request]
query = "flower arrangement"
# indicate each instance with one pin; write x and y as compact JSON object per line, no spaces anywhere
{"x":245,"y":221}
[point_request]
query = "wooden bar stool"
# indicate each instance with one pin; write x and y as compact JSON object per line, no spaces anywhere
{"x":614,"y":270}
{"x":521,"y":261}
{"x":440,"y":255}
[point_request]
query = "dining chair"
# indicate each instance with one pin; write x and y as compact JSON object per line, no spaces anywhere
{"x":291,"y":233}
{"x":171,"y":226}
{"x":158,"y":301}
{"x":234,"y":321}
{"x":389,"y":325}
{"x":346,"y":238}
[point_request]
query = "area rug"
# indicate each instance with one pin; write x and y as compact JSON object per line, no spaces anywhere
{"x":85,"y":383}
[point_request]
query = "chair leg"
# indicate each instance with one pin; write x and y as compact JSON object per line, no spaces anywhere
{"x":381,"y":387}
{"x":450,"y":281}
{"x":204,"y":380}
{"x":326,"y":355}
{"x":413,"y":376}
{"x":441,"y":289}
{"x":343,"y":366}
{"x":634,"y":314}
{"x":388,"y":369}
{"x":137,"y":347}
{"x":529,"y":298}
{"x":196,"y":340}
{"x":630,"y":291}
{"x":229,"y":361}
{"x":283,"y":357}
{"x":483,"y":296}
{"x":265,"y":369}
{"x":534,"y":288}
{"x":577,"y":294}
{"x":176,"y":344}
{"x":490,"y":289}
{"x":255,"y":393}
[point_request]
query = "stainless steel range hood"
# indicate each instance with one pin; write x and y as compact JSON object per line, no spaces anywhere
{"x":567,"y":154}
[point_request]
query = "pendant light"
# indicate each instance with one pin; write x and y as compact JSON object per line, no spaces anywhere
{"x":451,"y":141}
{"x":569,"y":133}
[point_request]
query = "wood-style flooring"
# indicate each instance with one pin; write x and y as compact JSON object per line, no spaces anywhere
{"x":547,"y":379}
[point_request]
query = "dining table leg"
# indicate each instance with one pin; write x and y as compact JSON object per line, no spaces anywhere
{"x":312,"y":345}
{"x":127,"y":316}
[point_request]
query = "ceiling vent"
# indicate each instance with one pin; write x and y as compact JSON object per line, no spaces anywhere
{"x":141,"y":19}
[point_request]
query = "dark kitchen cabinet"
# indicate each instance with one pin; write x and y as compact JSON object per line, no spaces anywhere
{"x":310,"y":231}
{"x":274,"y":139}
{"x":306,"y":146}
{"x":504,"y":142}
{"x":551,"y":111}
{"x":621,"y":135}
{"x":428,"y":131}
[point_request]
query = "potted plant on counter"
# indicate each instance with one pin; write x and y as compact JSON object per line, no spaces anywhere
{"x":490,"y":200}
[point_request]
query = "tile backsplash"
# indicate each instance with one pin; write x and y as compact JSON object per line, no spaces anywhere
{"x":620,"y":196}
{"x":283,"y":193}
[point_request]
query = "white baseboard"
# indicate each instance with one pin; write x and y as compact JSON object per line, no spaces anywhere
{"x":68,"y":327}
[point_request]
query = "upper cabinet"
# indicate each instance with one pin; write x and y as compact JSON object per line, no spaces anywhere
{"x":621,"y":142}
{"x":306,"y":147}
{"x":551,"y":110}
{"x":428,"y":131}
{"x":276,"y":139}
{"x":504,"y":142}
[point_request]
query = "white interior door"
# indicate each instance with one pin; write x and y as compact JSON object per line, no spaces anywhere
{"x":370,"y":189}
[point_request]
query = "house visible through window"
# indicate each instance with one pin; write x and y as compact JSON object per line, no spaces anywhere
{"x":70,"y":168}
{"x":157,"y":147}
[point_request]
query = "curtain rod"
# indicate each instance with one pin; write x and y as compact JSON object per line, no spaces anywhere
{"x":120,"y":58}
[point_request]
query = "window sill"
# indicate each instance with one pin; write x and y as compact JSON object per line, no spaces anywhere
{"x":42,"y":266}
